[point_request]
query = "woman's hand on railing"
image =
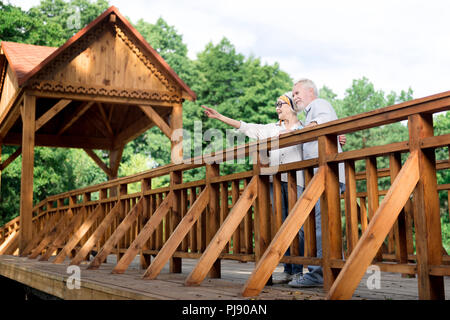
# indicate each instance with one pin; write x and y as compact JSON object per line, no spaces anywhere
{"x":342,"y":139}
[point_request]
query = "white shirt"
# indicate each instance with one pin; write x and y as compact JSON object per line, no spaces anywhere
{"x":320,"y":111}
{"x":278,"y":156}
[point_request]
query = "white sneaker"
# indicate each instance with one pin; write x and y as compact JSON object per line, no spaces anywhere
{"x":281,"y":278}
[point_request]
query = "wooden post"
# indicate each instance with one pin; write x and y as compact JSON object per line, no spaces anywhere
{"x":330,"y":211}
{"x":351,"y":210}
{"x":426,"y":210}
{"x":262,"y":212}
{"x":26,"y":186}
{"x":401,"y":250}
{"x":213,"y":217}
{"x":372,"y":193}
{"x":176,"y":177}
{"x":146,"y":184}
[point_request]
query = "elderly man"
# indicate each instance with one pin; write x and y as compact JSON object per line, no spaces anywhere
{"x":317,"y":111}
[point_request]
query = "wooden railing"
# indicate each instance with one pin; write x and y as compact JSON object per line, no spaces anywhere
{"x":231,"y":216}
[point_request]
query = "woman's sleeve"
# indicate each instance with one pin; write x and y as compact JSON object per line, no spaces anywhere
{"x":255,"y":131}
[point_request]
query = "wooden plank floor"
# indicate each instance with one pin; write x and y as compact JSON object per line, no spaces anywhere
{"x":101,"y":284}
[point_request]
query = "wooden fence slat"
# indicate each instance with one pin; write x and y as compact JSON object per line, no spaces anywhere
{"x":73,"y":241}
{"x":177,"y":236}
{"x":351,"y":210}
{"x":290,"y":227}
{"x":377,"y":230}
{"x":144,"y":235}
{"x":224,"y":234}
{"x":96,"y":235}
{"x":117,"y":235}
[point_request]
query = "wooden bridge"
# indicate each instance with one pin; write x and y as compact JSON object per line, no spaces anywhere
{"x":70,"y":99}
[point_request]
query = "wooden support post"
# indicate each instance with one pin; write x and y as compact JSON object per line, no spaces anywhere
{"x":176,"y":124}
{"x":213,"y":217}
{"x":330,"y":210}
{"x":26,"y":186}
{"x":146,"y":185}
{"x":262,"y":212}
{"x":426,"y":210}
{"x":351,"y":210}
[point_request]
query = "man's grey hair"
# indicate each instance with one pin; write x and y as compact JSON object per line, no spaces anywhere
{"x":306,"y":83}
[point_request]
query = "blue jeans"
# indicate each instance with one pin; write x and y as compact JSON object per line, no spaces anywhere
{"x":315,"y":272}
{"x":288,"y":267}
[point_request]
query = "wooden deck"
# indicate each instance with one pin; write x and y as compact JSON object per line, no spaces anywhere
{"x":102,"y":284}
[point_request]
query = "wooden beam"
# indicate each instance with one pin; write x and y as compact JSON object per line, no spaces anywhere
{"x":96,"y":235}
{"x":145,"y":234}
{"x":289,"y":229}
{"x":178,"y":234}
{"x":49,"y":140}
{"x":76,"y":237}
{"x":53,"y":111}
{"x":132,"y":132}
{"x":117,"y":235}
{"x":223,"y":235}
{"x":75,"y":116}
{"x":99,"y":162}
{"x":105,"y":119}
{"x":10,"y":119}
{"x":427,"y":221}
{"x":377,"y":230}
{"x":26,"y":185}
{"x":115,"y":156}
{"x":10,"y":159}
{"x":156,"y":118}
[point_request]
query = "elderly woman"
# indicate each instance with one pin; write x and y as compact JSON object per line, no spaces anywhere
{"x":288,"y":121}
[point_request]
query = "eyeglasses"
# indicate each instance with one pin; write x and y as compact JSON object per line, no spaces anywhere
{"x":279,"y":104}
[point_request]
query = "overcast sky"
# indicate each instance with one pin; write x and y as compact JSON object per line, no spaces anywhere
{"x":395,"y":44}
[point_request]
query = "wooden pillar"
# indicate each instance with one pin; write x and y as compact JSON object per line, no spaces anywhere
{"x":176,"y":177}
{"x":146,"y":184}
{"x":426,"y":210}
{"x":213,"y":217}
{"x":26,"y":185}
{"x":330,"y":211}
{"x":262,"y":212}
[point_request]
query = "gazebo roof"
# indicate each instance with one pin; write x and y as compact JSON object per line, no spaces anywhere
{"x":101,"y":89}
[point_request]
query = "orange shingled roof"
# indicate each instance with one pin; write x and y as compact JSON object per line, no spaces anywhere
{"x":25,"y":57}
{"x":29,"y":60}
